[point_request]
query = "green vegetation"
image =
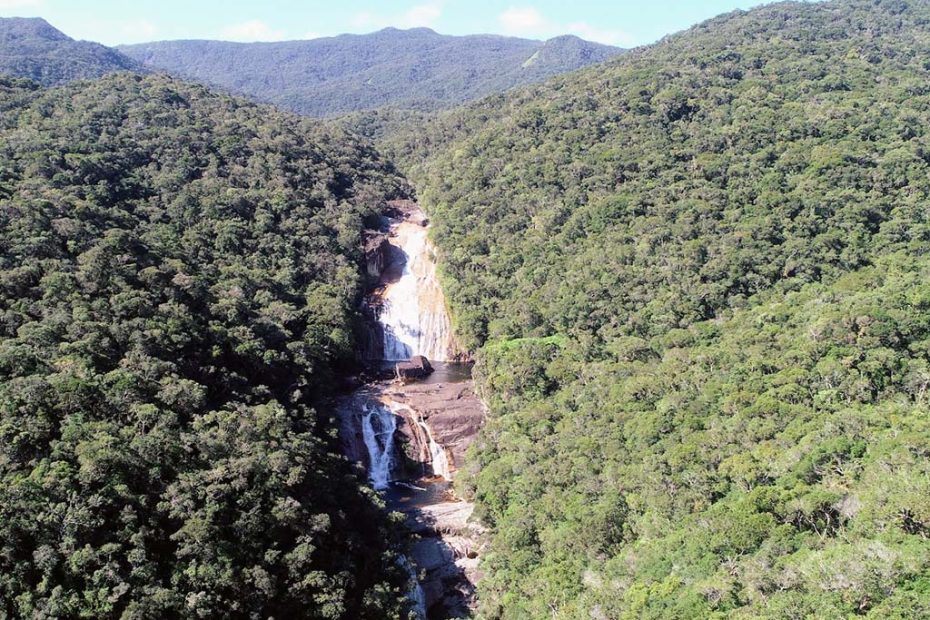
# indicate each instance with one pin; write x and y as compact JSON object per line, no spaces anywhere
{"x":696,"y":278}
{"x":31,"y":48}
{"x":178,"y":278}
{"x":414,"y":69}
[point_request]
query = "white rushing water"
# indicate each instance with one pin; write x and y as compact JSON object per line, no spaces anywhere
{"x":439,"y":459}
{"x":378,"y":426}
{"x":415,"y":592}
{"x":413,"y":312}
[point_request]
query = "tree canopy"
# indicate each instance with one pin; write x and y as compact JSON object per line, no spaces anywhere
{"x":178,"y":280}
{"x":695,"y":281}
{"x":31,"y":48}
{"x":416,"y":69}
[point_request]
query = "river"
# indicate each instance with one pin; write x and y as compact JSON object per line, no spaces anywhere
{"x":411,"y":435}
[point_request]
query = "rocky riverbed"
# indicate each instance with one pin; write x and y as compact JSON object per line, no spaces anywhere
{"x":411,"y":433}
{"x":434,"y":421}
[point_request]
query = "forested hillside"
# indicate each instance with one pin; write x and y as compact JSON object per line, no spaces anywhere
{"x":31,"y":48}
{"x":410,"y":69}
{"x":696,"y":278}
{"x":178,"y":278}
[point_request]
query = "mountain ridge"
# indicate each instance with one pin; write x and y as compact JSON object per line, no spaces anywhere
{"x":416,"y":68}
{"x":32,"y":48}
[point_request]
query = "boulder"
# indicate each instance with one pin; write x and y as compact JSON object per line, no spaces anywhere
{"x":407,"y":210}
{"x":414,"y":368}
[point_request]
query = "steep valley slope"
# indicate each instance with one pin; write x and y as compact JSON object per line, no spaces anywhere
{"x":179,"y":281}
{"x":696,"y":281}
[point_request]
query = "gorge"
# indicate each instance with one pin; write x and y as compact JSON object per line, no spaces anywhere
{"x":694,"y":282}
{"x":411,"y":432}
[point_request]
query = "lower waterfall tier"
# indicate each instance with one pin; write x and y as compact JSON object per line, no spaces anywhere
{"x":412,"y":438}
{"x":413,"y":430}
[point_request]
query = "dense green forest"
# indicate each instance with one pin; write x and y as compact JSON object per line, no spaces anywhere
{"x":409,"y":69}
{"x":31,"y":48}
{"x":178,"y":281}
{"x":696,"y":279}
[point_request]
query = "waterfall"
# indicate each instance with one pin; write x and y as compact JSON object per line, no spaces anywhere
{"x":415,"y":592}
{"x":413,"y":312}
{"x":439,"y":460}
{"x":378,"y":426}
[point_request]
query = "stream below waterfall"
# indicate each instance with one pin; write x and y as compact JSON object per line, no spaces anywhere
{"x":411,"y":435}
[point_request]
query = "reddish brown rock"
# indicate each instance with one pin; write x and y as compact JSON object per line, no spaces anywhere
{"x":416,"y":367}
{"x":377,"y":254}
{"x":452,"y":411}
{"x":407,"y":210}
{"x":448,"y":543}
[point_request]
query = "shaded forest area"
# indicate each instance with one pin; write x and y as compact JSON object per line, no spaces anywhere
{"x":179,"y":278}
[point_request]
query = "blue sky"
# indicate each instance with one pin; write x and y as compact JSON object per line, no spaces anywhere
{"x":619,"y":22}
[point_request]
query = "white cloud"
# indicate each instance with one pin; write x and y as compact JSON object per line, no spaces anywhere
{"x":253,"y":30}
{"x":20,"y":4}
{"x":523,"y":21}
{"x":365,"y":19}
{"x":138,"y":30}
{"x":424,"y":15}
{"x":527,"y":21}
{"x":312,"y":34}
{"x":609,"y":37}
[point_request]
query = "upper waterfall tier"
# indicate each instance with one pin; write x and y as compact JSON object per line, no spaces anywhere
{"x":412,"y":314}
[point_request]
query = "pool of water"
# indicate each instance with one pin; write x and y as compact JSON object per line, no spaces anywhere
{"x":448,"y":372}
{"x":443,"y":372}
{"x":406,"y":496}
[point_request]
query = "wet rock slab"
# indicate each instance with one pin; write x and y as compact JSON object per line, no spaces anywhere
{"x":447,"y":542}
{"x":445,"y":555}
{"x":452,"y":411}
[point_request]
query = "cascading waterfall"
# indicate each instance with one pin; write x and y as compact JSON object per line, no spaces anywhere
{"x":378,"y":426}
{"x":415,"y":593}
{"x":413,"y":312}
{"x":414,"y":321}
{"x":411,"y":319}
{"x":439,"y":459}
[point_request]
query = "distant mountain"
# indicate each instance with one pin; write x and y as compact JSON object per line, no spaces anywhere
{"x":415,"y":69}
{"x":33,"y":48}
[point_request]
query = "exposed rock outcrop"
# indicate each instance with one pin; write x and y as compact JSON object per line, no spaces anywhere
{"x":407,"y":210}
{"x":452,"y":411}
{"x":446,"y":555}
{"x":377,"y":254}
{"x":448,"y":543}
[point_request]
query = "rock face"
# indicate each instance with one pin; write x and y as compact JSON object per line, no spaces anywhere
{"x":451,"y":411}
{"x":436,"y":422}
{"x":407,"y":210}
{"x":377,"y":254}
{"x":446,"y":554}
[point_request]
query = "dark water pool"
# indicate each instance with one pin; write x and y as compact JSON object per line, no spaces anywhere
{"x":405,"y":496}
{"x":443,"y":372}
